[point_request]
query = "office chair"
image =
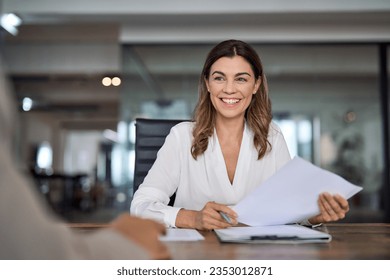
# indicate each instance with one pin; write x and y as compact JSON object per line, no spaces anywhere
{"x":150,"y":136}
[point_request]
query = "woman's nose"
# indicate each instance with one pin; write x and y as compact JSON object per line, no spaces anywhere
{"x":229,"y":87}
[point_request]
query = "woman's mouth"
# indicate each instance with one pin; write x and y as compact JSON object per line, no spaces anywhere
{"x":230,"y":101}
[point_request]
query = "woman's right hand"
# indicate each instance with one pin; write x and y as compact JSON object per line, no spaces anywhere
{"x":208,"y":218}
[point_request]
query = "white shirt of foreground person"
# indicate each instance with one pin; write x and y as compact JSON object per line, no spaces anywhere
{"x":28,"y":232}
{"x":197,"y":182}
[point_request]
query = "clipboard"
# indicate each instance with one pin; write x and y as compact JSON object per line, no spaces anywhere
{"x":278,"y":234}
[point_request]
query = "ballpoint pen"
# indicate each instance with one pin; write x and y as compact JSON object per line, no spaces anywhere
{"x":225,"y":217}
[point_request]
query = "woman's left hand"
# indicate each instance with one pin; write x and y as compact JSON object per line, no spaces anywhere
{"x":332,"y":207}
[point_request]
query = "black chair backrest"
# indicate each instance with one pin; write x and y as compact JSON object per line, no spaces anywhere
{"x":150,"y":135}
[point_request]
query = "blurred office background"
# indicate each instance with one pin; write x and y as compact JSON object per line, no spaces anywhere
{"x":76,"y":74}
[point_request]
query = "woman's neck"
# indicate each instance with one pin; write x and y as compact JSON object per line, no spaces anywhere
{"x":230,"y":129}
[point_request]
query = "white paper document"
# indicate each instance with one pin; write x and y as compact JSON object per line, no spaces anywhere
{"x":181,"y":234}
{"x":272,"y":234}
{"x":291,"y":194}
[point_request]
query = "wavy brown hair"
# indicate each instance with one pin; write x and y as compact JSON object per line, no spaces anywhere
{"x":258,"y":115}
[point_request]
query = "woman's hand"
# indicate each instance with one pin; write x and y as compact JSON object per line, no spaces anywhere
{"x":143,"y":232}
{"x":208,"y":218}
{"x":332,"y":207}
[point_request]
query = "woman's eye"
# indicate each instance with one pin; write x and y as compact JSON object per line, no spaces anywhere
{"x":218,"y":78}
{"x":243,"y":80}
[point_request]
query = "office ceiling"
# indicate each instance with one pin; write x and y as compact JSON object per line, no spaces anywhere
{"x":76,"y":29}
{"x":210,"y":21}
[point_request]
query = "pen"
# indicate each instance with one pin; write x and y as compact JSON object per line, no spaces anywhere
{"x":225,"y":217}
{"x":273,"y":237}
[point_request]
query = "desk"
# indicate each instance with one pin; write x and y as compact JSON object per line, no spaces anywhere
{"x":350,"y":242}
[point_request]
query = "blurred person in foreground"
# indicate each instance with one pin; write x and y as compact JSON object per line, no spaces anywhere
{"x":29,"y":231}
{"x":28,"y":228}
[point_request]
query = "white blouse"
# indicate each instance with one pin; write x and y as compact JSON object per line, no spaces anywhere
{"x":197,"y":182}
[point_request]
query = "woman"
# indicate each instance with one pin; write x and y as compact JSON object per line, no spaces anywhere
{"x":231,"y":148}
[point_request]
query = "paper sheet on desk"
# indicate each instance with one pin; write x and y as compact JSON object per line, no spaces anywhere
{"x":291,"y":195}
{"x":181,"y":234}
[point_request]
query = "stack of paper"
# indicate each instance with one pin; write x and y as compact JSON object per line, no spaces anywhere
{"x":291,"y":195}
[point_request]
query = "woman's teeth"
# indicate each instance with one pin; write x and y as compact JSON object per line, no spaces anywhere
{"x":230,"y":101}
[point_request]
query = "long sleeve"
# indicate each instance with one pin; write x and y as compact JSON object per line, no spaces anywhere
{"x":27,"y":231}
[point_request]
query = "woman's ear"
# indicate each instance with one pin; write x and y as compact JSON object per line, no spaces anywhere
{"x":206,"y":82}
{"x":257,"y":85}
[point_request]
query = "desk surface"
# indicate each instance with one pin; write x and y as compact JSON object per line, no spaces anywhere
{"x":350,"y":241}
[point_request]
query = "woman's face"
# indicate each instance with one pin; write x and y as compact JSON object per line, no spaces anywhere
{"x":231,"y":84}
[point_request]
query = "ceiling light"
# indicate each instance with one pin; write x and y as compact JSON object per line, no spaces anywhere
{"x":10,"y":22}
{"x":116,"y":81}
{"x":27,"y":104}
{"x":106,"y":81}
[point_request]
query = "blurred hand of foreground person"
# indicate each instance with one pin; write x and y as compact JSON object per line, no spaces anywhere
{"x":332,"y":207}
{"x":144,"y":232}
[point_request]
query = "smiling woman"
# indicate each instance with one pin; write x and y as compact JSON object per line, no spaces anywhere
{"x":241,"y":62}
{"x":229,"y":149}
{"x":232,"y":81}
